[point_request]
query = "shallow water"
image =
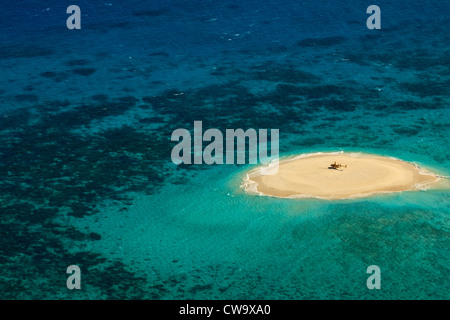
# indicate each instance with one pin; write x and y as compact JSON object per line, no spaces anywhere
{"x":87,"y":179}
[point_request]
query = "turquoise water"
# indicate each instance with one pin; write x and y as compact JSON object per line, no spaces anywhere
{"x":209,"y":240}
{"x":87,"y":179}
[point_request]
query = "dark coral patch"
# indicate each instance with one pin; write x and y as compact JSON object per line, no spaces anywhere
{"x":26,"y":97}
{"x":49,"y":74}
{"x":426,"y":89}
{"x":321,"y":42}
{"x":57,"y":76}
{"x":100,"y":97}
{"x":407,"y":131}
{"x":8,"y":51}
{"x":149,"y":13}
{"x":159,"y":54}
{"x":84,"y":71}
{"x":77,"y":62}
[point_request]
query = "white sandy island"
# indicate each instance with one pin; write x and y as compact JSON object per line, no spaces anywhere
{"x":310,"y":176}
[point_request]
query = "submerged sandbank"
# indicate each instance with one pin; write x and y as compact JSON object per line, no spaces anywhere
{"x":312,"y":176}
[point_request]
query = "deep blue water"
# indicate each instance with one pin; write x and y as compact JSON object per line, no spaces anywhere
{"x":86,"y":176}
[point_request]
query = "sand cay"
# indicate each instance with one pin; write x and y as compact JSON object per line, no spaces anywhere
{"x":312,"y":176}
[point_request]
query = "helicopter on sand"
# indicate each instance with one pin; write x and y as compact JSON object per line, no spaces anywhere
{"x":337,"y":165}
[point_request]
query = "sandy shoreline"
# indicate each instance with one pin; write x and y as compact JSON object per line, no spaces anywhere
{"x":310,"y":176}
